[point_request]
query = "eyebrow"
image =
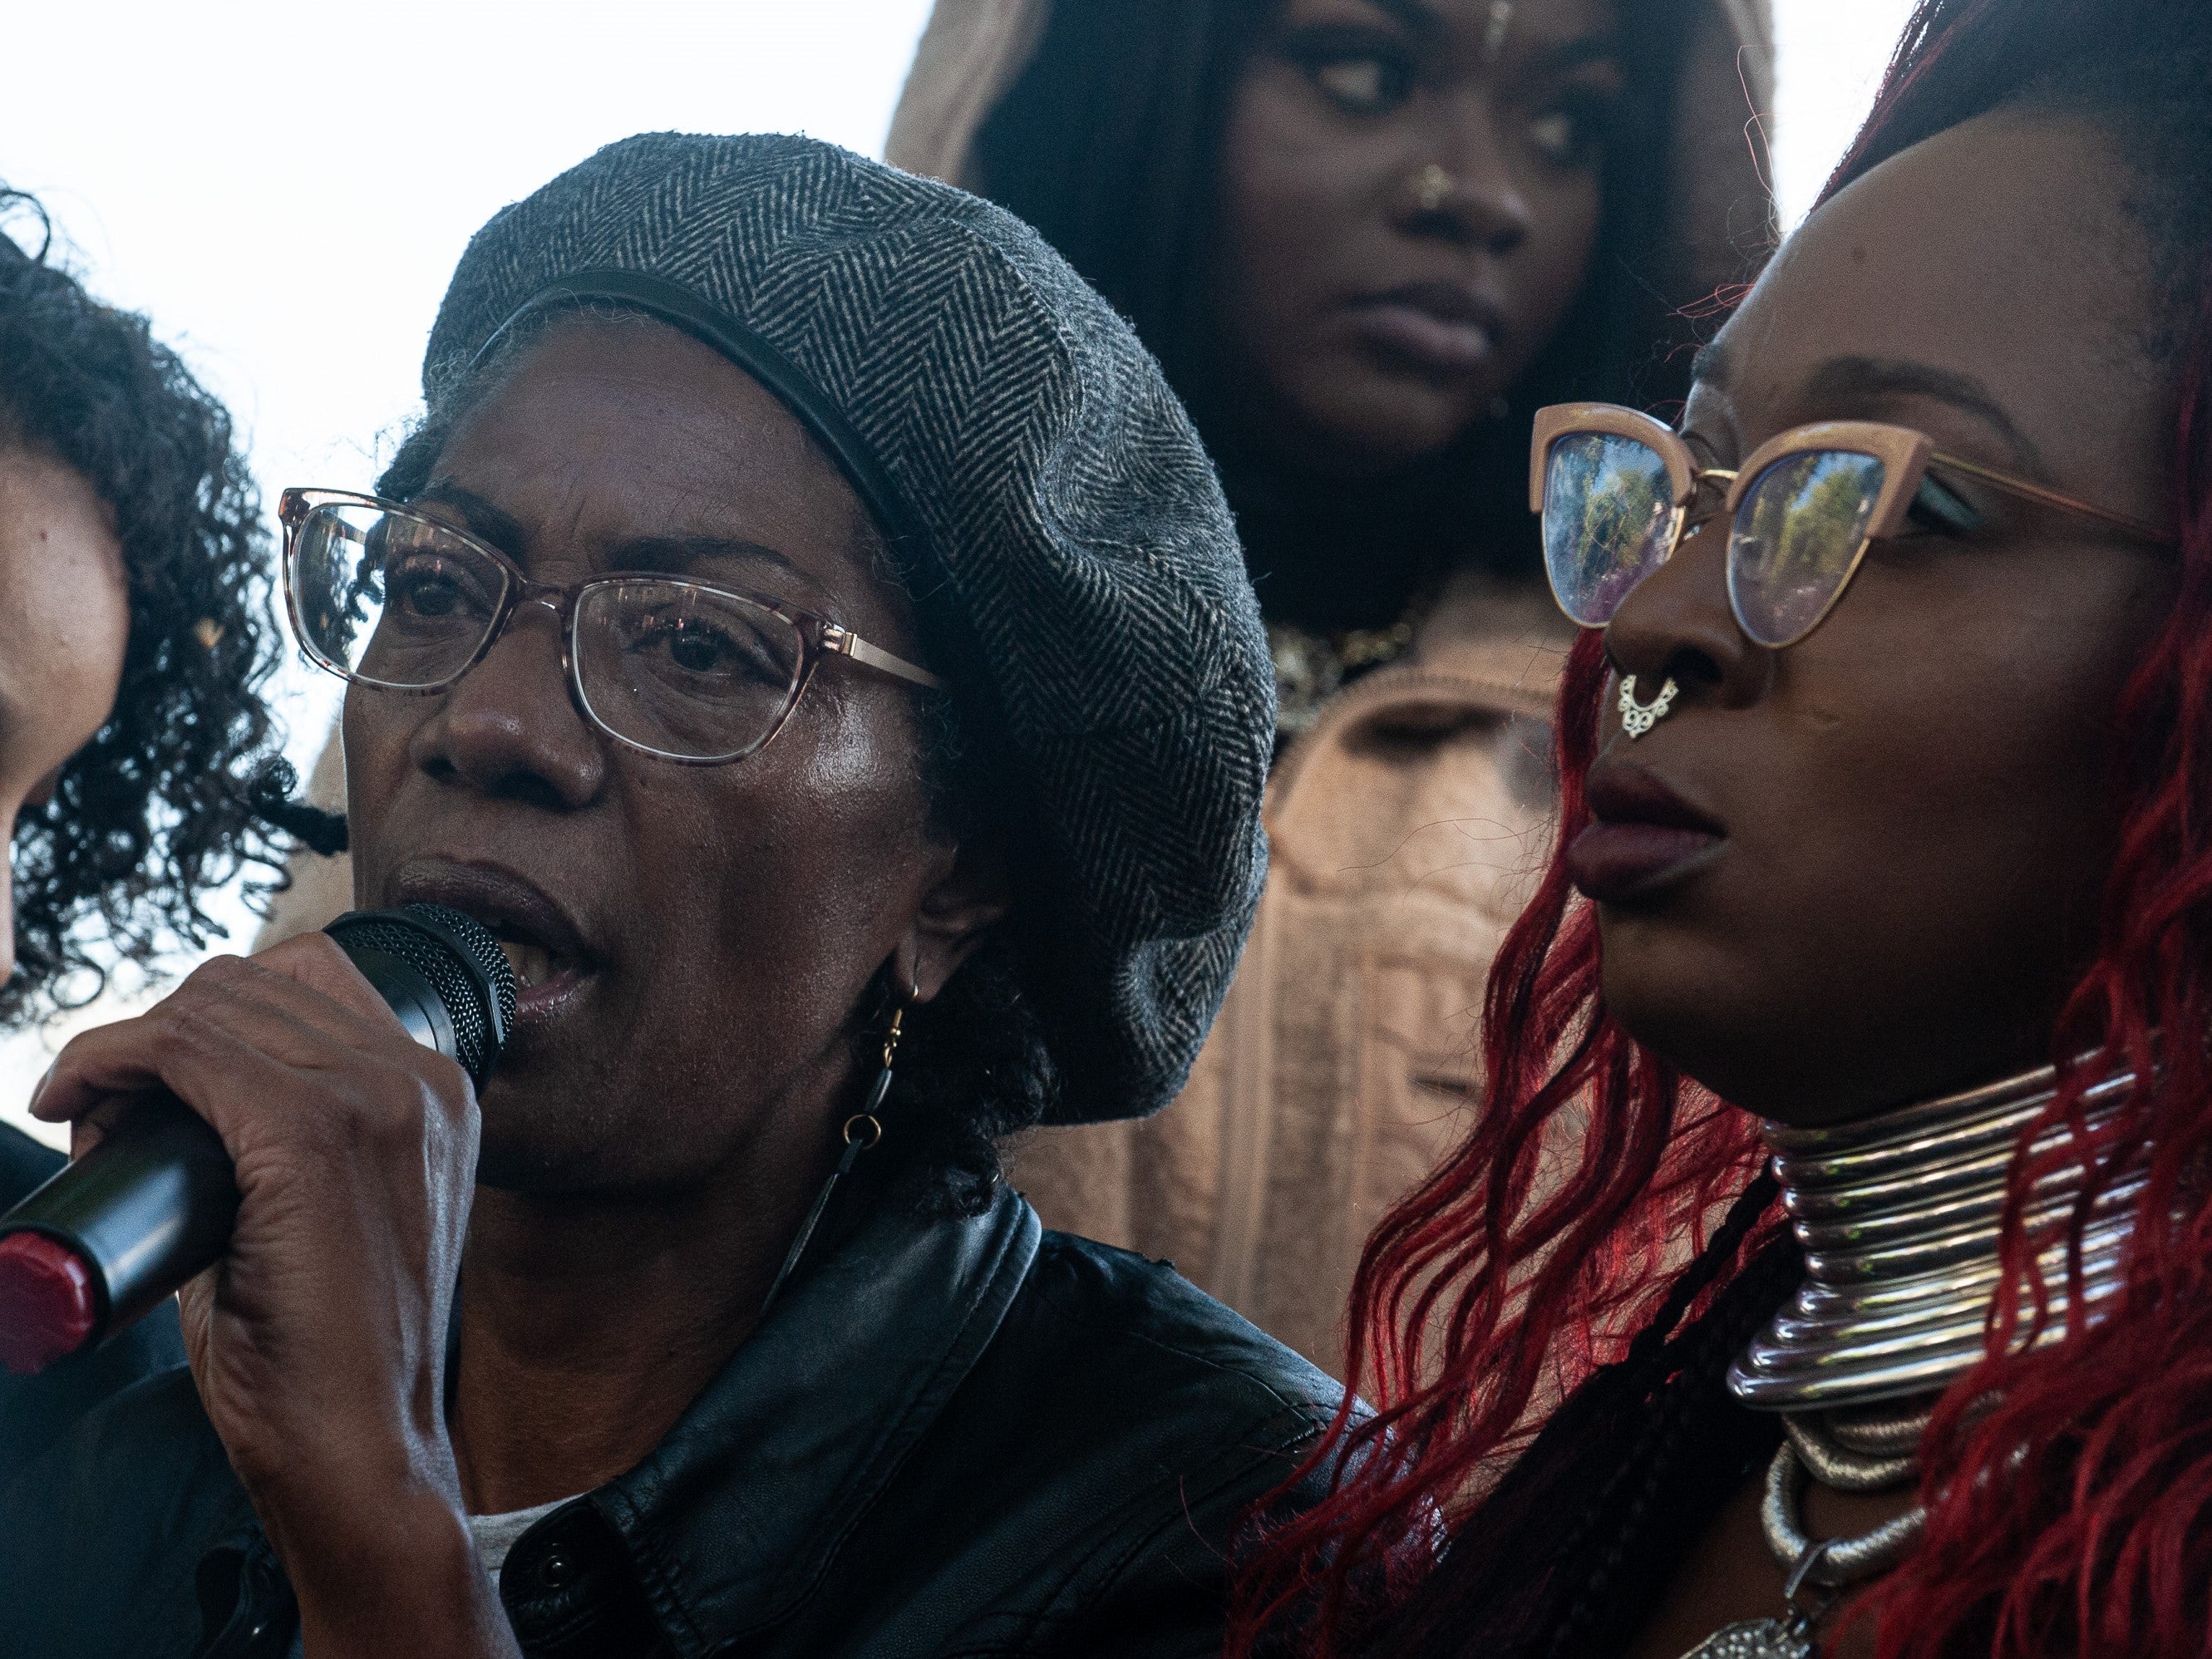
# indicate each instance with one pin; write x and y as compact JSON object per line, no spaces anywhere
{"x":500,"y":528}
{"x":1862,"y":380}
{"x":677,"y":556}
{"x":1412,"y":16}
{"x":667,"y":556}
{"x":1855,"y":379}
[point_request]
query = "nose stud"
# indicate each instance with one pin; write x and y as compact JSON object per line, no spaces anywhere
{"x":1638,"y":717}
{"x":1433,"y":187}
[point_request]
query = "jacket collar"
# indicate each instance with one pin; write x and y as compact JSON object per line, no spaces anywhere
{"x":736,"y":1513}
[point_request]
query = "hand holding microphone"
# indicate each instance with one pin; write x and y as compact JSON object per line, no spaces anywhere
{"x":317,"y":1340}
{"x":118,"y":1231}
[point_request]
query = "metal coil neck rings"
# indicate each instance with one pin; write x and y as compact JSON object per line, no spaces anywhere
{"x":1899,"y":1219}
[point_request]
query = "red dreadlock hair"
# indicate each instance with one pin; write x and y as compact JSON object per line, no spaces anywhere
{"x":2073,"y":1516}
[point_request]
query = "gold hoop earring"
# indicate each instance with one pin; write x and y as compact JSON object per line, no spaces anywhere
{"x":1433,"y":187}
{"x":1638,"y":717}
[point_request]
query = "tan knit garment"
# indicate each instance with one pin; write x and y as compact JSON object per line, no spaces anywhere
{"x":1405,"y":830}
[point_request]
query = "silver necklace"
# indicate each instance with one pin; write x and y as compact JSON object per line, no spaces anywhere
{"x":1874,"y":1450}
{"x":1898,"y":1218}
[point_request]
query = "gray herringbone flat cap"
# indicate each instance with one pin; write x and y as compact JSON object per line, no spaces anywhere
{"x":1076,"y":575}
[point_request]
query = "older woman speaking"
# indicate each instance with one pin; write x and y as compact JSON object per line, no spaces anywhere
{"x":807,"y":631}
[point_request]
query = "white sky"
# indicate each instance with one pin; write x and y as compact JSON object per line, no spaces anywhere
{"x":284,"y":188}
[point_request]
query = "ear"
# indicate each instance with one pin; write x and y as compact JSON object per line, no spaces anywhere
{"x":970,"y":897}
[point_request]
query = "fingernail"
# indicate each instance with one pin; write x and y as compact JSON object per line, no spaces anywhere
{"x":40,"y":1089}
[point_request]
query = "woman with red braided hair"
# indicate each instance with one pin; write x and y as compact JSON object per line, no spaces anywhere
{"x":1871,"y":960}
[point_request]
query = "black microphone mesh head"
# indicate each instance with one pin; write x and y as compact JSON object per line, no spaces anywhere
{"x":428,"y":937}
{"x":475,"y":938}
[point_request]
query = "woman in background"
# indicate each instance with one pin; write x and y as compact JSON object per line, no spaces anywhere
{"x":134,"y":637}
{"x":1366,"y":239}
{"x":1885,"y":794}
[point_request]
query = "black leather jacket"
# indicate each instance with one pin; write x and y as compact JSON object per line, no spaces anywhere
{"x":951,"y":1438}
{"x":36,"y":1412}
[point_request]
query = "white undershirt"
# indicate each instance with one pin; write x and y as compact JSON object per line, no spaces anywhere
{"x":496,"y":1534}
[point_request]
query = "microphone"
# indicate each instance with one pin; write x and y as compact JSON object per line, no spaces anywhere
{"x":114,"y":1234}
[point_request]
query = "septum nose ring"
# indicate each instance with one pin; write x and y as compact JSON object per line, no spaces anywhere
{"x":1638,"y":717}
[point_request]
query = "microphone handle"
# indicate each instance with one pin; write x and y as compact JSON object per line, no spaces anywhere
{"x":156,"y":1202}
{"x":152,"y":1204}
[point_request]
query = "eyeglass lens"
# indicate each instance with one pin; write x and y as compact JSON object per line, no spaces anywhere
{"x":682,"y":671}
{"x":1796,"y":536}
{"x":387,"y":599}
{"x":1609,"y":519}
{"x":397,"y":600}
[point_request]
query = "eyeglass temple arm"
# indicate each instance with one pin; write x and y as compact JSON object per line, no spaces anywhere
{"x":2035,"y":492}
{"x":847,"y":643}
{"x":2006,"y":481}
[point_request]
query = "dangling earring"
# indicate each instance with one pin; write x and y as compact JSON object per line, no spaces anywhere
{"x":862,"y":1131}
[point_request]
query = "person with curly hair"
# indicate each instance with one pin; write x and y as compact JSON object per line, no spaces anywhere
{"x":135,"y":634}
{"x":127,"y":496}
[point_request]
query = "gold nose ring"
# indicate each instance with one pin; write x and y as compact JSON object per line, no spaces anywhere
{"x":1638,"y":717}
{"x":1433,"y":187}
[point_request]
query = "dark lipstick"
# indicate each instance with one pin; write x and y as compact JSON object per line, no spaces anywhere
{"x":1644,"y":837}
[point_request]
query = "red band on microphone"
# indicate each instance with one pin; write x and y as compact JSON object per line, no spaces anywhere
{"x":47,"y":1303}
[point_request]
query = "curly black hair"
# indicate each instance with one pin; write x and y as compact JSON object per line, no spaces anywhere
{"x":154,"y":812}
{"x":974,"y":1065}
